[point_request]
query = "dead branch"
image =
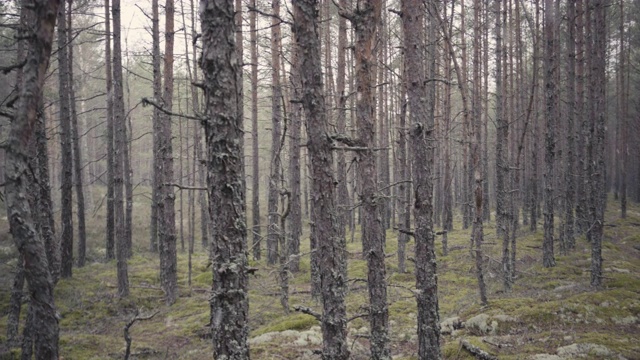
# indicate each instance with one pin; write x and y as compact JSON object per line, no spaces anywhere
{"x":127,"y":336}
{"x":308,"y":311}
{"x":476,"y":351}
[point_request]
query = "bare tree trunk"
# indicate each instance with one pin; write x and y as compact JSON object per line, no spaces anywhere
{"x":476,"y":149}
{"x":295,"y":223}
{"x":550,"y":117}
{"x":447,"y":218}
{"x":331,"y":251}
{"x":276,"y":133}
{"x":167,"y":223}
{"x":622,"y":105}
{"x":66,"y":194}
{"x":110,"y":243}
{"x":569,"y":177}
{"x":157,"y":163}
{"x":373,"y":233}
{"x":404,"y":189}
{"x":23,"y":226}
{"x":77,"y":154}
{"x":341,"y":169}
{"x":597,"y":174}
{"x":118,"y":169}
{"x":486,"y":204}
{"x":255,"y":155}
{"x":225,"y":180}
{"x":422,"y":103}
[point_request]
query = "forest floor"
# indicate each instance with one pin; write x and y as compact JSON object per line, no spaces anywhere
{"x":549,"y":314}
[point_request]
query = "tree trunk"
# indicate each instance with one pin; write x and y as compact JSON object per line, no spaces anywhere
{"x":421,"y":104}
{"x":110,"y":243}
{"x":23,"y":227}
{"x":66,"y":193}
{"x":77,"y":154}
{"x":476,"y":149}
{"x":15,"y":305}
{"x":225,"y":180}
{"x":569,"y":176}
{"x":295,"y":222}
{"x":331,"y":251}
{"x":366,"y":22}
{"x":597,"y":167}
{"x":550,"y":117}
{"x":118,"y":161}
{"x":157,"y":127}
{"x":255,"y":154}
{"x":276,"y":133}
{"x":167,"y":223}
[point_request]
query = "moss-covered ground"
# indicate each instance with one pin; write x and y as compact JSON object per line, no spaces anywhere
{"x":552,"y":307}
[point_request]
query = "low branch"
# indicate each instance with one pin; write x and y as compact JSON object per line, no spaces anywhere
{"x":185,"y":187}
{"x":147,"y":101}
{"x":7,"y":69}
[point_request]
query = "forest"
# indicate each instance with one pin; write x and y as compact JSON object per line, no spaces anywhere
{"x":316,"y":179}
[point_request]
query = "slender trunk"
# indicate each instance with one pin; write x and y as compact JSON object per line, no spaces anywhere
{"x":373,"y":234}
{"x":295,"y":223}
{"x":66,"y":192}
{"x":110,"y":243}
{"x":276,"y":123}
{"x":550,"y":119}
{"x":476,"y":148}
{"x":221,"y":66}
{"x":77,"y":154}
{"x":157,"y":127}
{"x":118,"y":170}
{"x":341,"y":169}
{"x":403,"y":188}
{"x":331,"y":251}
{"x":255,"y":155}
{"x":167,"y":223}
{"x":597,"y":174}
{"x":571,"y":112}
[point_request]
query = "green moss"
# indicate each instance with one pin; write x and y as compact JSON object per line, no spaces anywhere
{"x":290,"y":322}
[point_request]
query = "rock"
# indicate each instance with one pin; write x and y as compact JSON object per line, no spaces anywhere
{"x":261,"y":339}
{"x":583,"y":350}
{"x":504,"y":318}
{"x":450,"y":324}
{"x":618,"y":270}
{"x":479,"y":324}
{"x":629,"y":320}
{"x":545,"y":357}
{"x":565,"y":288}
{"x":605,"y":304}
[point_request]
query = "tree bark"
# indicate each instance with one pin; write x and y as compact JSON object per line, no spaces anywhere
{"x":548,"y":258}
{"x":331,"y":251}
{"x":77,"y":153}
{"x":167,"y":222}
{"x":157,"y":95}
{"x":295,"y":222}
{"x":276,"y":133}
{"x":569,"y":177}
{"x":110,"y":243}
{"x":366,"y":20}
{"x":476,"y":149}
{"x":422,"y":103}
{"x":255,"y":154}
{"x":221,"y":66}
{"x":118,"y":161}
{"x":27,"y":239}
{"x":596,"y":160}
{"x":66,"y":161}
